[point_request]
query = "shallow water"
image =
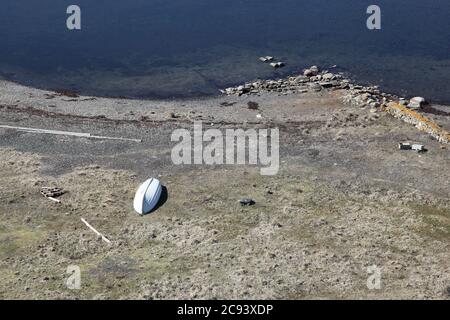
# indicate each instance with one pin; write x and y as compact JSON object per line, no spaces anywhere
{"x":180,"y":48}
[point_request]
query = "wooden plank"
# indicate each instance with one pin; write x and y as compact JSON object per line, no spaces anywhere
{"x":95,"y":231}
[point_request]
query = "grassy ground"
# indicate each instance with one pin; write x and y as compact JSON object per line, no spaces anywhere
{"x":303,"y":239}
{"x":345,"y":199}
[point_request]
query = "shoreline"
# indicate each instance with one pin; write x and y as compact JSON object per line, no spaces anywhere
{"x":293,"y":72}
{"x":311,"y":82}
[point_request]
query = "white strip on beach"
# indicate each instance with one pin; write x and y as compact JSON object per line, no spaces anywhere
{"x":67,"y":133}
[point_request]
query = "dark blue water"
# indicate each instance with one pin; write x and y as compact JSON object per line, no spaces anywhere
{"x":179,"y":48}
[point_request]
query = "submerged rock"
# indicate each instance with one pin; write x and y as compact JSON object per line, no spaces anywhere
{"x":277,"y":65}
{"x":266,"y":59}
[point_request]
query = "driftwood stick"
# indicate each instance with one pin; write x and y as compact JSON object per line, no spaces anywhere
{"x":53,"y":199}
{"x":95,"y":231}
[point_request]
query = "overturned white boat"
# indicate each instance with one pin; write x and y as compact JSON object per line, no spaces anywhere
{"x":147,"y":196}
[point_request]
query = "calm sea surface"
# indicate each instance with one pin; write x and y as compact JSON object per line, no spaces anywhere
{"x":182,"y":48}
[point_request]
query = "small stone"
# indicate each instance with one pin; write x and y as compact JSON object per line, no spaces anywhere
{"x":315,"y":87}
{"x":247,"y":202}
{"x":278,"y":225}
{"x":229,"y":91}
{"x":328,"y":76}
{"x":171,"y":115}
{"x":308,"y":73}
{"x":365,"y":96}
{"x":375,"y":104}
{"x":326,"y":84}
{"x":252,"y":105}
{"x":302,"y":79}
{"x":335,"y":83}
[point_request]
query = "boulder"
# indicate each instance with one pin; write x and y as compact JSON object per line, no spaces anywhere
{"x":328,"y":76}
{"x":229,"y":91}
{"x":302,"y":79}
{"x":308,"y":73}
{"x":311,"y":72}
{"x":314,"y":69}
{"x":417,"y":102}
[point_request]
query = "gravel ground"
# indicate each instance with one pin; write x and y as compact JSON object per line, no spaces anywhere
{"x":345,"y":198}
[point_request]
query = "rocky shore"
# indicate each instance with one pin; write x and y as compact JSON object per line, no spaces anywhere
{"x":315,"y":80}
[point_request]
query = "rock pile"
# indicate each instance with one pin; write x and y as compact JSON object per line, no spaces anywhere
{"x":314,"y":80}
{"x":311,"y":80}
{"x":370,"y":96}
